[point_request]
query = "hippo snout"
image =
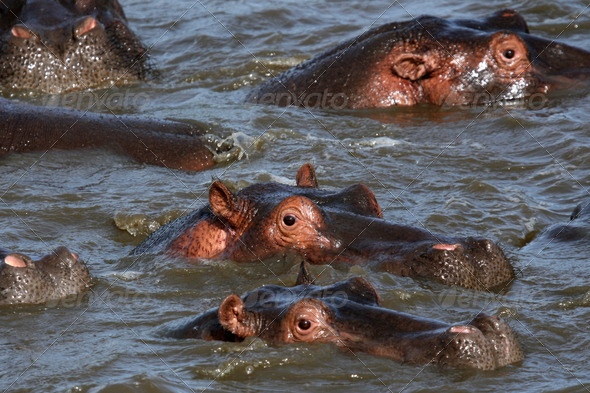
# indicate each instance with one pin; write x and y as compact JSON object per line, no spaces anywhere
{"x":486,"y":343}
{"x":471,"y":263}
{"x":56,"y":275}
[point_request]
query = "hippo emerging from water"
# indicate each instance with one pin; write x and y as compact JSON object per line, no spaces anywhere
{"x":55,"y":46}
{"x":54,"y":276}
{"x":349,"y":314}
{"x":578,"y":228}
{"x":430,"y":60}
{"x":265,"y":220}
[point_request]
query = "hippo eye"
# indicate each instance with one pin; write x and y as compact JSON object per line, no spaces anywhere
{"x":289,"y":220}
{"x":509,"y":53}
{"x":304,"y":324}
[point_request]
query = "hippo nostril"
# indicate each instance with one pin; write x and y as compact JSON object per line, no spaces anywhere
{"x":15,"y":261}
{"x":462,"y":329}
{"x":21,"y":32}
{"x":446,"y":247}
{"x":85,"y":26}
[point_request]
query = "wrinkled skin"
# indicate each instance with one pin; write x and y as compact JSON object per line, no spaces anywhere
{"x":55,"y":46}
{"x":349,"y":314}
{"x":269,"y":219}
{"x":431,"y":61}
{"x":25,"y":128}
{"x":578,"y":227}
{"x":54,"y":276}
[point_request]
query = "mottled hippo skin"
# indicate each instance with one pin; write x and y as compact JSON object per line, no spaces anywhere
{"x":55,"y":46}
{"x":349,"y":314}
{"x":25,"y":128}
{"x":25,"y":281}
{"x":429,"y":60}
{"x":269,"y":219}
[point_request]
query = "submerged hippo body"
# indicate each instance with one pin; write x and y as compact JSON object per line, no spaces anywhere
{"x":430,"y":60}
{"x":269,"y":219}
{"x":55,"y":46}
{"x":349,"y":314}
{"x":54,"y":276}
{"x":578,"y":228}
{"x":26,"y":128}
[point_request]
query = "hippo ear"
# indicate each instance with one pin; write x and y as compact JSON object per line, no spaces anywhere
{"x":223,"y":203}
{"x":306,"y":176}
{"x":304,"y":277}
{"x":413,"y":66}
{"x":234,"y":318}
{"x":364,"y":292}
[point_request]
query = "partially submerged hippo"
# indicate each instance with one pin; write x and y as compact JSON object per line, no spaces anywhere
{"x":269,"y":219}
{"x":55,"y":46}
{"x":430,"y":60}
{"x":578,"y":228}
{"x":54,"y":276}
{"x":26,"y":128}
{"x":349,"y":314}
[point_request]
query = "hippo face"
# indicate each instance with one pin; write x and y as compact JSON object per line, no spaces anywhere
{"x":431,"y":61}
{"x":349,"y":314}
{"x":54,"y":276}
{"x":345,"y":227}
{"x":55,"y":46}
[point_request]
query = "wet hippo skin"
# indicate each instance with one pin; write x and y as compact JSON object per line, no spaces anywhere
{"x":349,"y":315}
{"x":55,"y":46}
{"x":26,"y":128}
{"x":270,"y":219}
{"x":430,"y":60}
{"x":578,"y":228}
{"x":54,"y":276}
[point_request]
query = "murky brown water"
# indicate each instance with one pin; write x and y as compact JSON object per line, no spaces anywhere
{"x":497,"y":172}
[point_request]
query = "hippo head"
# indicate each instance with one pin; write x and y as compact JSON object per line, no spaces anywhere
{"x":577,"y":229}
{"x":346,"y":226}
{"x":54,"y":46}
{"x":430,"y":60}
{"x":23,"y":280}
{"x":349,"y":314}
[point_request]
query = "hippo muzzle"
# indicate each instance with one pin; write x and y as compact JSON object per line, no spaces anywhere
{"x":54,"y":276}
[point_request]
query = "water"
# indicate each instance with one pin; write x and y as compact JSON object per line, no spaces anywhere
{"x":500,"y":172}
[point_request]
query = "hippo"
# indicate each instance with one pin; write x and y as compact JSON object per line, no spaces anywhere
{"x":345,"y":227}
{"x":26,"y":128}
{"x":54,"y":276}
{"x":55,"y":46}
{"x":577,"y":228}
{"x":350,"y":315}
{"x":429,"y":60}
